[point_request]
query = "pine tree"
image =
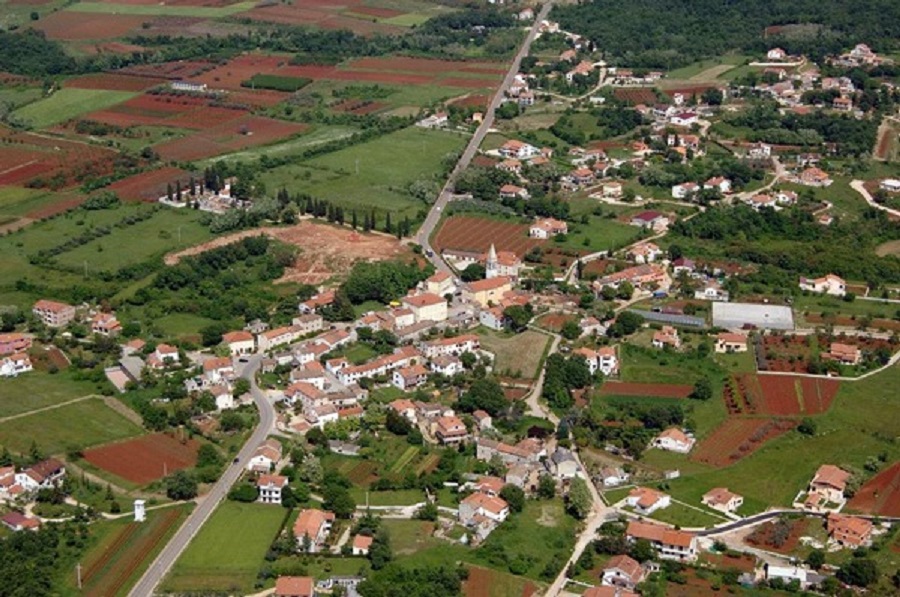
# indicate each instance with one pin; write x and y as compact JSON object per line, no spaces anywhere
{"x":178,"y":189}
{"x":193,"y":187}
{"x":169,"y":191}
{"x":353,"y":221}
{"x":387,"y":223}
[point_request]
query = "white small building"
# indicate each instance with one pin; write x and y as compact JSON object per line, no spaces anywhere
{"x":719,"y":498}
{"x":828,"y":284}
{"x":646,"y":501}
{"x":270,"y":488}
{"x":673,"y":440}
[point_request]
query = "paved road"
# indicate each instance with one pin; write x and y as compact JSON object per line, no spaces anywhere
{"x":471,"y":149}
{"x":858,"y":186}
{"x":166,"y":558}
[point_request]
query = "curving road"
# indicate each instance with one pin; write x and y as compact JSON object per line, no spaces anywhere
{"x":177,"y":544}
{"x":434,"y":215}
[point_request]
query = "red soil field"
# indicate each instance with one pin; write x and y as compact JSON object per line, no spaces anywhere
{"x":790,"y":395}
{"x":145,"y":459}
{"x":636,"y":95}
{"x":689,"y":90}
{"x":738,"y":437}
{"x":26,"y":156}
{"x":661,"y":390}
{"x":466,"y":83}
{"x":472,"y":101}
{"x":148,"y":186}
{"x":180,"y":111}
{"x":843,"y":320}
{"x":249,"y":131}
{"x":553,"y":321}
{"x":113,"y":82}
{"x":881,"y":494}
{"x":77,"y":25}
{"x":763,"y":536}
{"x":240,"y":69}
{"x":168,"y":70}
{"x":466,"y":233}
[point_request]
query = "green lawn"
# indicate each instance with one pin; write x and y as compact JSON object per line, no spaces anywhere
{"x":685,"y":517}
{"x":168,"y":230}
{"x":375,"y":174}
{"x":520,"y":354}
{"x":68,"y":103}
{"x":207,"y":12}
{"x":407,"y":20}
{"x":601,"y":234}
{"x":854,"y":430}
{"x":228,"y":551}
{"x":181,"y":324}
{"x":410,"y":536}
{"x":75,"y":426}
{"x":39,"y":389}
{"x":400,"y":497}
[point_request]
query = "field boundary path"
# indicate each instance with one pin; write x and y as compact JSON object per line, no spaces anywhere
{"x":433,"y":218}
{"x":191,"y":526}
{"x":51,"y":407}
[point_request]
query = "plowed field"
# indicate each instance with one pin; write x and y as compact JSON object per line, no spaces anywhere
{"x":881,"y":494}
{"x":738,"y":437}
{"x":466,"y":233}
{"x":145,"y":459}
{"x":660,"y":390}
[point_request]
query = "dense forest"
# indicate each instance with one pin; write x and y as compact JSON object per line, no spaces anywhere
{"x":792,"y":242}
{"x":673,"y":33}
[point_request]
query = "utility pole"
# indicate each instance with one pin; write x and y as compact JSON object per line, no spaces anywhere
{"x":78,"y":573}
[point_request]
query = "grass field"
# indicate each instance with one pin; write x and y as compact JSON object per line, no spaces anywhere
{"x":181,"y":324}
{"x":601,"y":234}
{"x":38,"y":390}
{"x":707,"y":69}
{"x":207,"y":12}
{"x":19,"y":201}
{"x":515,"y":352}
{"x":228,"y":551}
{"x":68,"y":103}
{"x":375,"y":174}
{"x":853,"y":430}
{"x":318,"y":136}
{"x":168,"y":230}
{"x":410,"y":536}
{"x":74,"y":426}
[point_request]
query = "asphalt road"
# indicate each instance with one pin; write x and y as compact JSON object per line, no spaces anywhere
{"x":434,"y":216}
{"x":177,"y":544}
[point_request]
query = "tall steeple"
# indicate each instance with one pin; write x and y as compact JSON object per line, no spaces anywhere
{"x":490,"y":265}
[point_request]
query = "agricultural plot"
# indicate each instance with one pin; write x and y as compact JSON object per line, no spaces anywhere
{"x":228,"y":551}
{"x":880,"y":495}
{"x":149,"y":186}
{"x":55,"y":432}
{"x":233,"y":135}
{"x":519,"y":354}
{"x":781,"y":395}
{"x":145,"y":459}
{"x":115,"y":563}
{"x":484,"y":582}
{"x":737,"y":438}
{"x":372,"y":175}
{"x":68,"y":103}
{"x":468,"y":233}
{"x":39,"y":389}
{"x":168,"y":229}
{"x":113,"y":82}
{"x":37,"y":160}
{"x":658,"y":390}
{"x":178,"y":111}
{"x":70,"y":25}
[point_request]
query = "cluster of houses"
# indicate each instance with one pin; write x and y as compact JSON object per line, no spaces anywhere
{"x":18,"y":487}
{"x":14,"y":358}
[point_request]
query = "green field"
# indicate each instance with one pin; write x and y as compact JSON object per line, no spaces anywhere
{"x":853,"y":430}
{"x":407,"y":20}
{"x":372,"y":174}
{"x":38,"y":389}
{"x":68,"y":103}
{"x":168,"y":230}
{"x":207,"y":12}
{"x":74,"y":426}
{"x":686,"y":517}
{"x":600,"y":234}
{"x":181,"y":324}
{"x":20,"y":201}
{"x":228,"y":551}
{"x":693,"y":71}
{"x":519,"y":353}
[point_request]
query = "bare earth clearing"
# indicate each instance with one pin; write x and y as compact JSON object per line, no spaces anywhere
{"x":325,"y":251}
